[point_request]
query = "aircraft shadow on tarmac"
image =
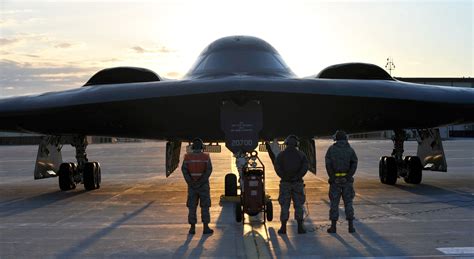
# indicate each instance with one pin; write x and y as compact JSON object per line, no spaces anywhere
{"x":440,"y":195}
{"x":77,"y":249}
{"x":36,"y":202}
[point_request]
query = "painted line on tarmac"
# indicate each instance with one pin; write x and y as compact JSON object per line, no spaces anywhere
{"x":256,"y":238}
{"x":255,"y":235}
{"x":456,"y":250}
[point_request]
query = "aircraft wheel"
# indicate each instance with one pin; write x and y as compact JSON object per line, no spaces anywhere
{"x":238,"y":212}
{"x":415,"y":170}
{"x":230,"y":185}
{"x":98,"y":175}
{"x":90,"y":176}
{"x":65,"y":177}
{"x":388,"y":170}
{"x":382,"y":170}
{"x":269,"y":207}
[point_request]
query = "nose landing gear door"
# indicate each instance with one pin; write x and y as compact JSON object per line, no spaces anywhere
{"x":241,"y":125}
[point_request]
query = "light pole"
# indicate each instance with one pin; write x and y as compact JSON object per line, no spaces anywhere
{"x":390,"y":65}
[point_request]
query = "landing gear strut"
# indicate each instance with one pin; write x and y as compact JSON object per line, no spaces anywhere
{"x":85,"y":172}
{"x":394,"y":166}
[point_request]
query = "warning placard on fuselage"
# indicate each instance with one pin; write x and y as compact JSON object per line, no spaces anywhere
{"x":241,"y":125}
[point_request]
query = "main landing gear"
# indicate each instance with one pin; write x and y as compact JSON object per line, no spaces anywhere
{"x":84,"y":171}
{"x":394,"y":166}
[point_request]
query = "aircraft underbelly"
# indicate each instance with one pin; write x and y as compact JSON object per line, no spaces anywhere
{"x":185,"y":117}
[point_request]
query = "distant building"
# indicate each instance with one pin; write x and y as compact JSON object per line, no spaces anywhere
{"x":444,"y":81}
{"x":14,"y":138}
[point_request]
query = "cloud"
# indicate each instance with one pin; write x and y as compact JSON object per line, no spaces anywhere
{"x":63,"y":45}
{"x":162,"y":49}
{"x":15,"y":11}
{"x":32,"y":56}
{"x":20,"y":78}
{"x":174,"y":74}
{"x":139,"y":49}
{"x":6,"y":41}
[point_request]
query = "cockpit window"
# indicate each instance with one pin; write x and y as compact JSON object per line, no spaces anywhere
{"x":240,"y":62}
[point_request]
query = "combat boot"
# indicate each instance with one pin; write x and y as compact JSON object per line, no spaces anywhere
{"x":207,"y":229}
{"x":282,"y":229}
{"x":192,"y":229}
{"x":332,"y":229}
{"x":301,"y":229}
{"x":351,"y":226}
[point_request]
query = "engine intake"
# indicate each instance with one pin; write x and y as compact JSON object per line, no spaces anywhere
{"x":123,"y":75}
{"x":361,"y":71}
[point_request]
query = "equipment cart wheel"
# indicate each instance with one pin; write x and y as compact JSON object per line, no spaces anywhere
{"x":269,"y":208}
{"x":230,"y":185}
{"x":238,"y":212}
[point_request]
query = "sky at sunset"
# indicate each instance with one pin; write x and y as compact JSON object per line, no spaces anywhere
{"x":58,"y":45}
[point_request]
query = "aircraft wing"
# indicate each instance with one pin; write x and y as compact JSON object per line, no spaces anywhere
{"x":187,"y":108}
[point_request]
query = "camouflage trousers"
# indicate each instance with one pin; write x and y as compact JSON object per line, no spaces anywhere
{"x":346,"y":190}
{"x":202,"y":196}
{"x":291,"y":191}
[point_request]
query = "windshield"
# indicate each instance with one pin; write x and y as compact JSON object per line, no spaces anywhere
{"x":240,"y":62}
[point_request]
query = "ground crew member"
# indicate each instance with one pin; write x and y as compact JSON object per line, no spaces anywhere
{"x":197,"y":169}
{"x":291,"y":165}
{"x":341,"y":165}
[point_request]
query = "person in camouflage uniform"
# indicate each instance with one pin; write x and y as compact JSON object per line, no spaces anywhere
{"x":341,"y":165}
{"x":197,"y":169}
{"x":291,"y":165}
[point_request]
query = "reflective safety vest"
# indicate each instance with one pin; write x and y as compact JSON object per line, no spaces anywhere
{"x":197,"y":164}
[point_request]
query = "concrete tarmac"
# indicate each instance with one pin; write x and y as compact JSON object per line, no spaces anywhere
{"x":138,"y":212}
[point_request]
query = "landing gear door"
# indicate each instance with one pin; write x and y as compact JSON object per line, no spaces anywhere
{"x":173,"y":150}
{"x":48,"y":160}
{"x":308,"y":146}
{"x":430,"y":150}
{"x":273,"y":148}
{"x":241,"y":125}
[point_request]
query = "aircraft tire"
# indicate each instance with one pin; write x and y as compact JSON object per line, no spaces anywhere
{"x":388,"y":170}
{"x":90,"y":176}
{"x":98,"y":175}
{"x":65,"y":177}
{"x":382,"y":170}
{"x":415,"y":170}
{"x":230,"y":185}
{"x":269,"y":210}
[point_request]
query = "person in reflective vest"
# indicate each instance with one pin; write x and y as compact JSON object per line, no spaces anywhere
{"x":341,"y":165}
{"x":197,"y":169}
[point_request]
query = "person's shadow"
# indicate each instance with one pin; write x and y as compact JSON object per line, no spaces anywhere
{"x":181,"y":251}
{"x":197,"y":251}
